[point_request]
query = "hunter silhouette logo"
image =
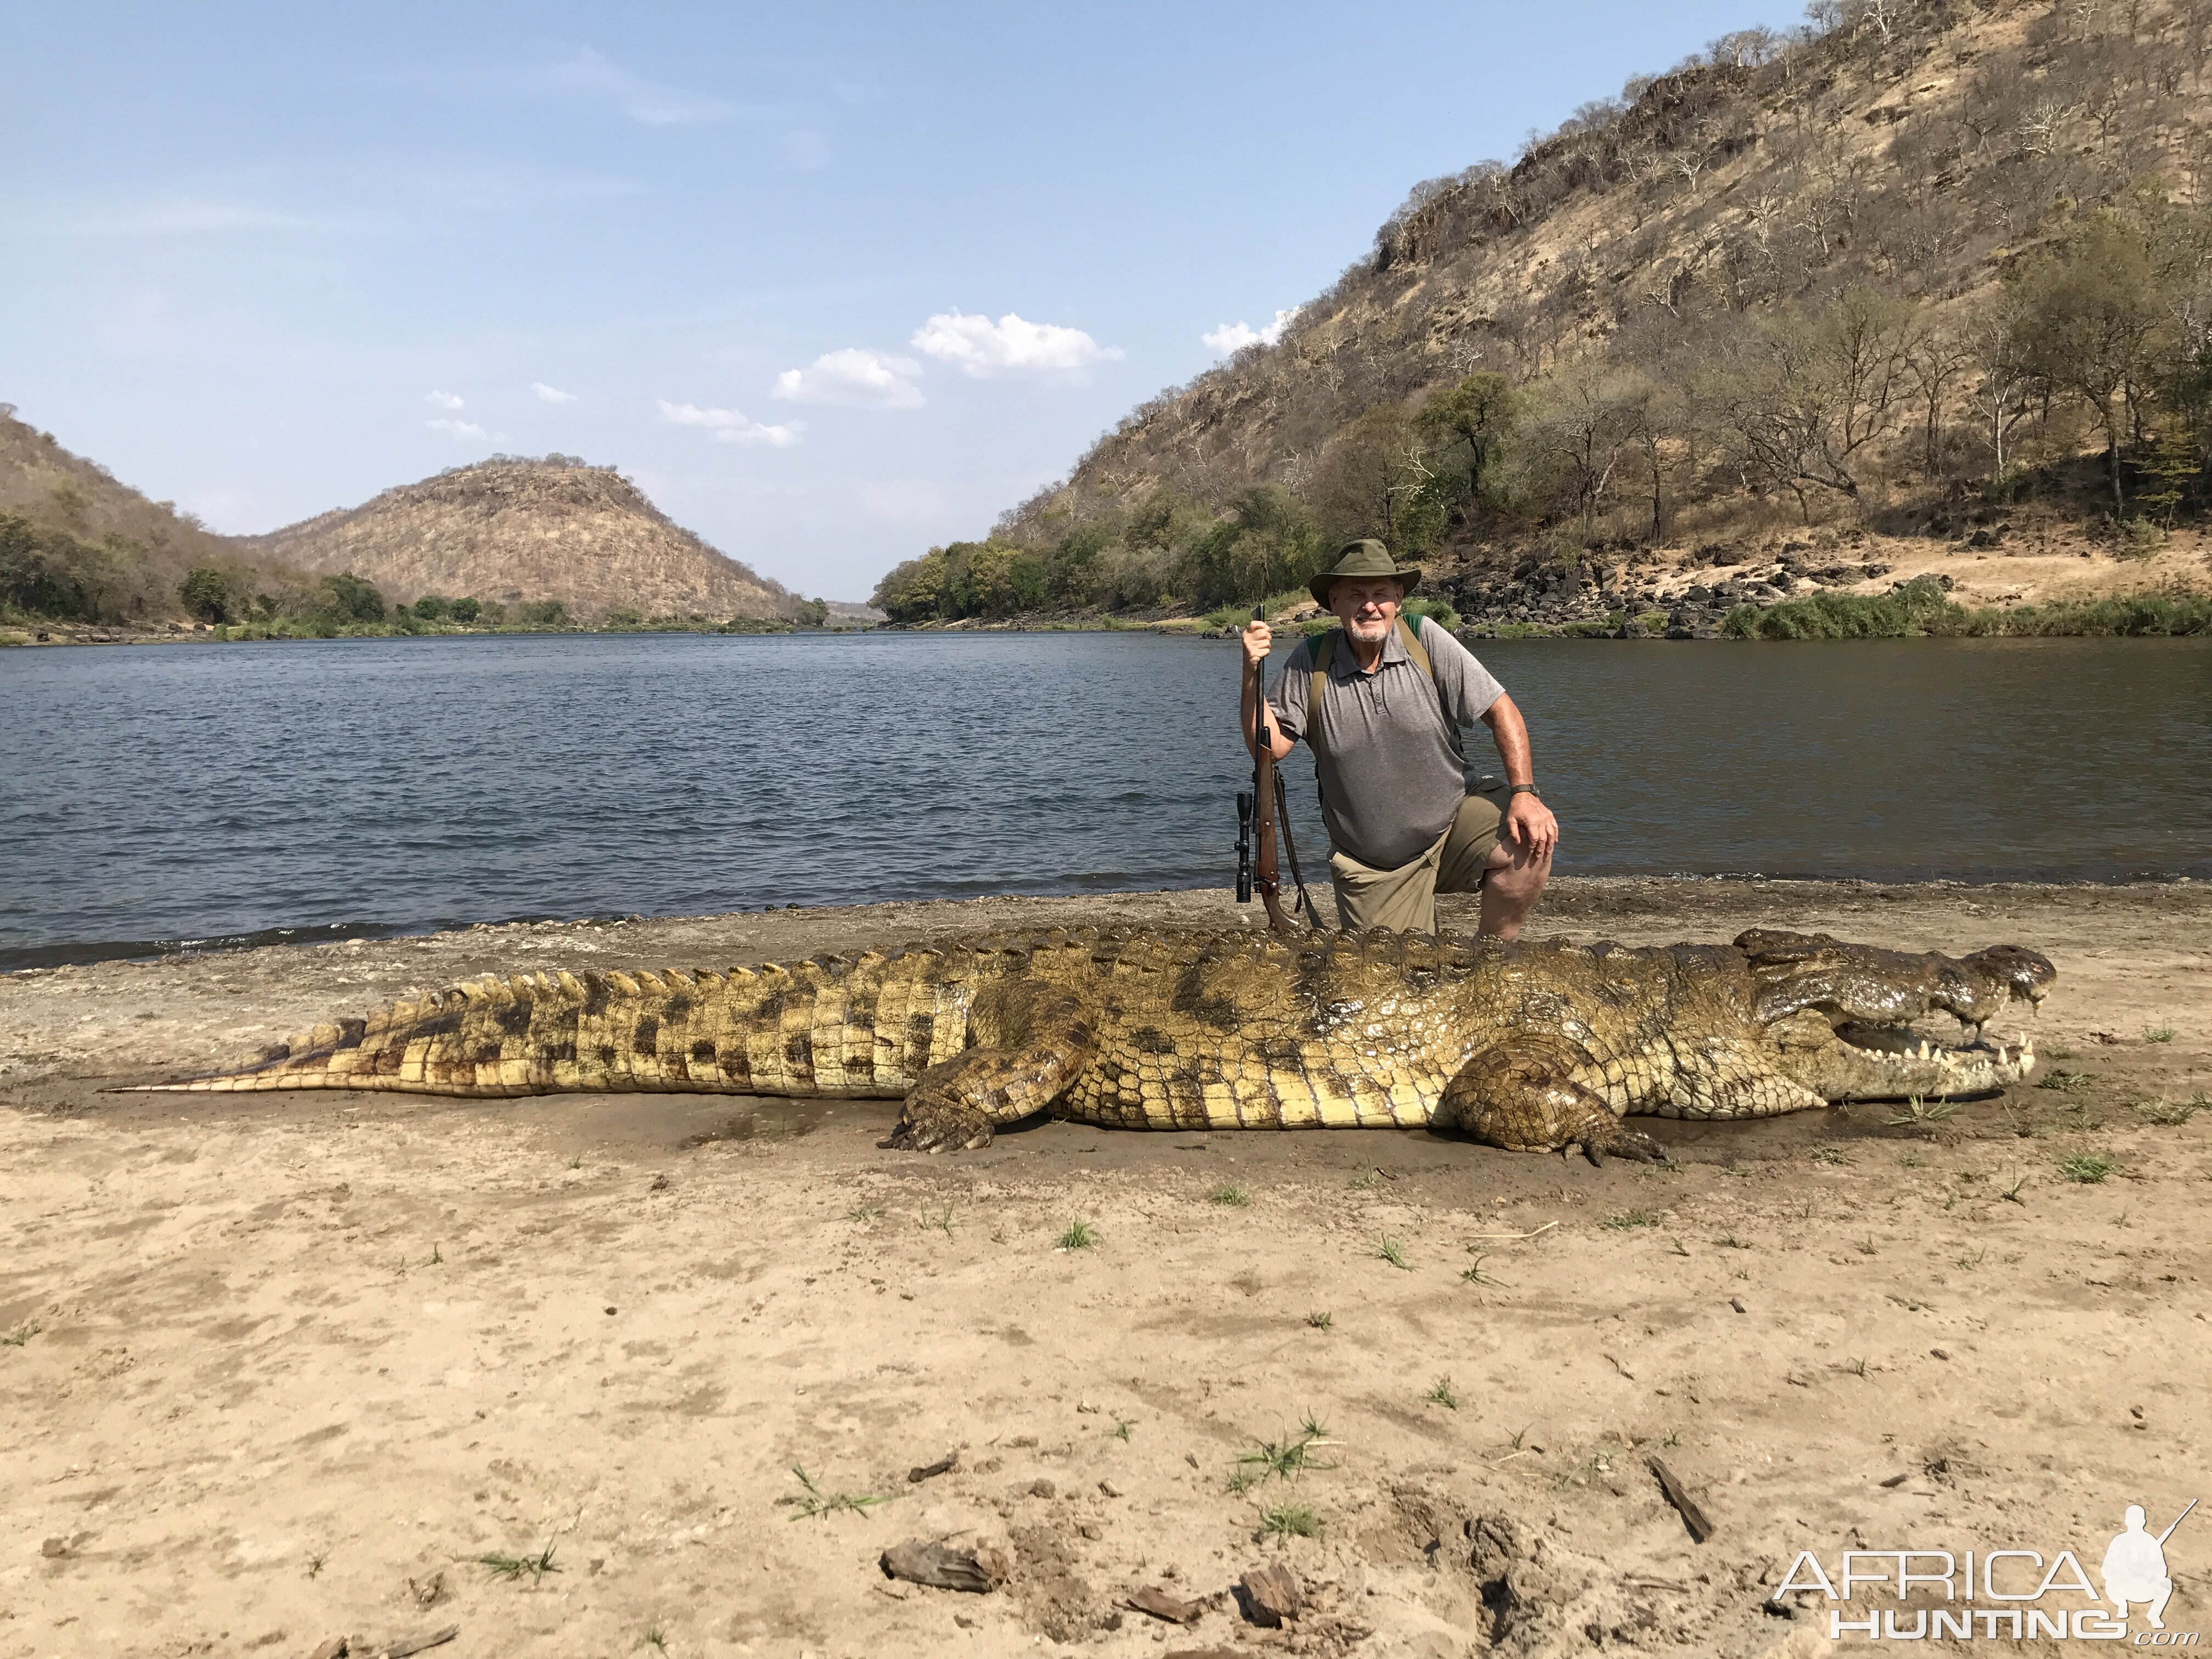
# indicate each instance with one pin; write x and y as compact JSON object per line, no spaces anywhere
{"x":2009,"y":1595}
{"x":2134,"y":1567}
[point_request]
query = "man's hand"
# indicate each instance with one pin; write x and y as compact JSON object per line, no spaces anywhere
{"x":1258,"y":639}
{"x":1530,"y":823}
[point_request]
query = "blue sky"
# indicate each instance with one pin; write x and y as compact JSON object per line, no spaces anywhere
{"x":268,"y":260}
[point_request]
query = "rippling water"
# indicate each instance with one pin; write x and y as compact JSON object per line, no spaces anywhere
{"x":157,"y":795}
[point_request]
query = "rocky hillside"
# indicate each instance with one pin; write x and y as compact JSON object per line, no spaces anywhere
{"x":1916,"y":268}
{"x":89,"y":546}
{"x":514,"y":528}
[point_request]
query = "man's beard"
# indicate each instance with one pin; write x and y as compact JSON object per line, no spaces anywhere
{"x":1378,"y":630}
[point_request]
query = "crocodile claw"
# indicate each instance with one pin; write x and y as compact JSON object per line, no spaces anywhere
{"x":939,"y":1126}
{"x":1618,"y":1141}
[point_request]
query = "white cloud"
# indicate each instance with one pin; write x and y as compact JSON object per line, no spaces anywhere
{"x":729,"y":426}
{"x":444,"y":400}
{"x":980,"y":347}
{"x":1232,"y":338}
{"x":853,"y":379}
{"x":551,"y":394}
{"x":594,"y":74}
{"x":464,"y":431}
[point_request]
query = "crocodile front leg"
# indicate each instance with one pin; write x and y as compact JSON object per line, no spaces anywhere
{"x":1028,"y":1040}
{"x":1520,"y":1094}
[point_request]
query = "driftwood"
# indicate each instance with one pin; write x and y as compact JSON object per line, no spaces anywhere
{"x":1158,"y":1603}
{"x":1694,"y":1518}
{"x":943,"y":1465}
{"x":1271,"y":1594}
{"x":940,"y":1568}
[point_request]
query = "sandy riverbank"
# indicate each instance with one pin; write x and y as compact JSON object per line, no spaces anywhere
{"x":288,"y":1365}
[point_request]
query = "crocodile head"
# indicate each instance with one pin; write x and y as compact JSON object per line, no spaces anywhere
{"x":1848,"y":1018}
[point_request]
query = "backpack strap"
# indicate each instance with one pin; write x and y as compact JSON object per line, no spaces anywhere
{"x":1412,"y":636}
{"x":1325,"y":647}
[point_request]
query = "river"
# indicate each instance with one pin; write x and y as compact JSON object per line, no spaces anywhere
{"x":202,"y":794}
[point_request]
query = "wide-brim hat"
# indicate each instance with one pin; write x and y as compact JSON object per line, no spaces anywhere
{"x":1364,"y":557}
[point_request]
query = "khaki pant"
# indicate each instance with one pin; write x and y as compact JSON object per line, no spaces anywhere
{"x":1405,"y":899}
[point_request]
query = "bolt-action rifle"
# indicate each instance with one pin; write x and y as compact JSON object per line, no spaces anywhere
{"x":1260,"y":809}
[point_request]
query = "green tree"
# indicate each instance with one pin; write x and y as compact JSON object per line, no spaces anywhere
{"x":347,"y":598}
{"x":2175,"y":463}
{"x":1479,"y":412}
{"x":431,"y":608}
{"x":914,"y":592}
{"x":2092,"y":318}
{"x":542,"y":613}
{"x":1071,"y":569}
{"x":463,"y":611}
{"x":812,"y":613}
{"x":1375,"y":478}
{"x":206,"y":594}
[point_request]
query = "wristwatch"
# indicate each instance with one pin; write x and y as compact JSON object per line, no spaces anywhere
{"x":1523,"y":789}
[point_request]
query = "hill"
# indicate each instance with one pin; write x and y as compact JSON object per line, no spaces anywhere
{"x":1914,"y":274}
{"x":516,"y":529}
{"x":75,"y":542}
{"x":565,"y":540}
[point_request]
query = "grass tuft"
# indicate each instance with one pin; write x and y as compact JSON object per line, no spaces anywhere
{"x":1232,"y":1195}
{"x":23,"y":1333}
{"x":1393,"y":1252}
{"x":1079,"y":1236}
{"x":655,"y":1638}
{"x":1288,"y":1521}
{"x":2088,"y":1168}
{"x":1284,"y":1459}
{"x":2158,"y":1033}
{"x":512,"y":1567}
{"x":1319,"y":1319}
{"x":1829,"y":1155}
{"x":1919,"y":1112}
{"x":1473,"y":1274}
{"x":1441,"y":1394}
{"x":816,"y":1501}
{"x":1628,"y":1218}
{"x":864,"y":1212}
{"x":2172,"y":1114}
{"x":2065,"y":1081}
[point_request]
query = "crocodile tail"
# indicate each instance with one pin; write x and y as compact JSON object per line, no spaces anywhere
{"x":822,"y":1027}
{"x":473,"y":1039}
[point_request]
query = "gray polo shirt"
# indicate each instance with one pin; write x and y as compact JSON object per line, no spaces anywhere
{"x":1392,"y":772}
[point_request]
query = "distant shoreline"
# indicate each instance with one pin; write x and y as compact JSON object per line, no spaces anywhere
{"x":1915,"y":610}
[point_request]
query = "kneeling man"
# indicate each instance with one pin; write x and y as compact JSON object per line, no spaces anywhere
{"x":1381,"y":702}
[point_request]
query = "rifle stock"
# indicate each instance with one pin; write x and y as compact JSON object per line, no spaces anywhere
{"x":1267,"y":878}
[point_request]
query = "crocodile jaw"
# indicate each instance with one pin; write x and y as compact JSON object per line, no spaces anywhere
{"x":1853,"y":1062}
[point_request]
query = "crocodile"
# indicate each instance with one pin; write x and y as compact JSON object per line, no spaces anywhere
{"x":1531,"y":1046}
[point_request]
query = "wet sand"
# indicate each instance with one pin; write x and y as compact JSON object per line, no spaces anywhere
{"x":280,"y":1368}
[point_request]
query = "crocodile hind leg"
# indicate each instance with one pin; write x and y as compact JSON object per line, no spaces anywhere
{"x":1521,"y":1094}
{"x":1027,"y":1042}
